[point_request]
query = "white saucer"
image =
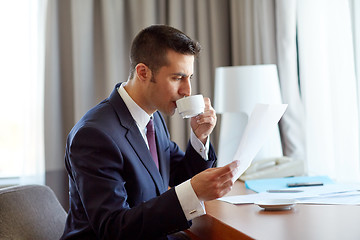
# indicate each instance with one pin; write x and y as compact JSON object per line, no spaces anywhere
{"x":276,"y":204}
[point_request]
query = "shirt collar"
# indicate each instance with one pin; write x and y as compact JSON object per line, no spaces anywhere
{"x":139,"y":115}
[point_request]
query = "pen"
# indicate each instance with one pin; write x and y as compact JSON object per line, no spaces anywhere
{"x":284,"y":191}
{"x":305,"y":184}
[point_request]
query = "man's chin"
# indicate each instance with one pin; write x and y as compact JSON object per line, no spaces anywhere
{"x":169,"y":113}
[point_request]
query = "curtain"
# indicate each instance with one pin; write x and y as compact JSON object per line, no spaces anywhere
{"x":328,"y":86}
{"x":355,"y":17}
{"x":261,"y":33}
{"x":33,"y":165}
{"x":292,"y":123}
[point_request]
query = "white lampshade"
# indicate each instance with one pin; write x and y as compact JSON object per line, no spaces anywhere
{"x":237,"y":90}
{"x":240,"y":88}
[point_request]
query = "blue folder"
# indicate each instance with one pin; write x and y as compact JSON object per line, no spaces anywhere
{"x":262,"y":185}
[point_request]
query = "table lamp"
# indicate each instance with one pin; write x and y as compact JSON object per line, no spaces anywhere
{"x":237,"y":90}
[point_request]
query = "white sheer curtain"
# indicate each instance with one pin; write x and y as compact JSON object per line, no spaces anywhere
{"x":21,"y":97}
{"x":33,"y":162}
{"x":329,"y":88}
{"x":355,"y":12}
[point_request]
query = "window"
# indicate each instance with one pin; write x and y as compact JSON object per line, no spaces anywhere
{"x":21,"y":92}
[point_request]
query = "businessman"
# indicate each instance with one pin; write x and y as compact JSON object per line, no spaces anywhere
{"x":121,"y":161}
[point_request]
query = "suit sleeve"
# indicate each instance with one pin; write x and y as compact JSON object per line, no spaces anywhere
{"x":95,"y":164}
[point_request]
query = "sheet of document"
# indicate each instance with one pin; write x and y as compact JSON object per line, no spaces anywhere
{"x":345,"y":194}
{"x":262,"y":121}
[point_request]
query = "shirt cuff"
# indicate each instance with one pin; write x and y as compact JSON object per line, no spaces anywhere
{"x":199,"y":146}
{"x":189,"y":202}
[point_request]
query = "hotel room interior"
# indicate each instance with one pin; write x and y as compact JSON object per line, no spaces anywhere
{"x":59,"y":58}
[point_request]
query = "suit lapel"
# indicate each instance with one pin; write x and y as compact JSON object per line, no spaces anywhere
{"x":135,"y":138}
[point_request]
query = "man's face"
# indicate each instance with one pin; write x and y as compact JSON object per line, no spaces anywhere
{"x":171,"y":82}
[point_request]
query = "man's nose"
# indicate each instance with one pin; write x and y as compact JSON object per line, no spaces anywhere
{"x":185,"y":88}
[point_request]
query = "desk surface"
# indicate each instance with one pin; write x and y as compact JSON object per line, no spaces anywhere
{"x":227,"y":221}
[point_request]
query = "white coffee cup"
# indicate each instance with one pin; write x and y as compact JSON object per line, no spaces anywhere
{"x":191,"y":106}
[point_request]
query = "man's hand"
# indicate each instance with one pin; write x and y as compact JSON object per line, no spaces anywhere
{"x":213,"y":183}
{"x":204,"y":124}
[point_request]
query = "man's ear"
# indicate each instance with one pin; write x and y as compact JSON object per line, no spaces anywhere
{"x":143,"y":72}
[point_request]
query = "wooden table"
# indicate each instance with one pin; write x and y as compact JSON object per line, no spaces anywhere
{"x":305,"y":222}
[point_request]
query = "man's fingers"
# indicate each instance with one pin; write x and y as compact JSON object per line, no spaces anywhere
{"x":224,"y":187}
{"x":206,"y":118}
{"x":207,"y":101}
{"x":229,"y":168}
{"x":214,"y":182}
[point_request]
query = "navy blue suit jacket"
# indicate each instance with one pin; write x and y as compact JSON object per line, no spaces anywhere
{"x":116,"y":190}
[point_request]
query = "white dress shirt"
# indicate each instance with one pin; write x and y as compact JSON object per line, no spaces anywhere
{"x":189,"y":202}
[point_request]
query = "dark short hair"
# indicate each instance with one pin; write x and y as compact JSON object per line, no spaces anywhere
{"x":151,"y":44}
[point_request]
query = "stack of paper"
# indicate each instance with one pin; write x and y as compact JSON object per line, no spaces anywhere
{"x":346,"y":194}
{"x":262,"y":185}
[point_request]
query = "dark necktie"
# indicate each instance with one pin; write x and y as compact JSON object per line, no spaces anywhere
{"x":150,"y":134}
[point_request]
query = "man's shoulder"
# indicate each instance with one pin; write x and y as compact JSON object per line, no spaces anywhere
{"x":102,"y":117}
{"x":100,"y":112}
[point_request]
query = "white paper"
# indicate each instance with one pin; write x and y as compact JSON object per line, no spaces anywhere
{"x":263,"y":120}
{"x":345,"y":194}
